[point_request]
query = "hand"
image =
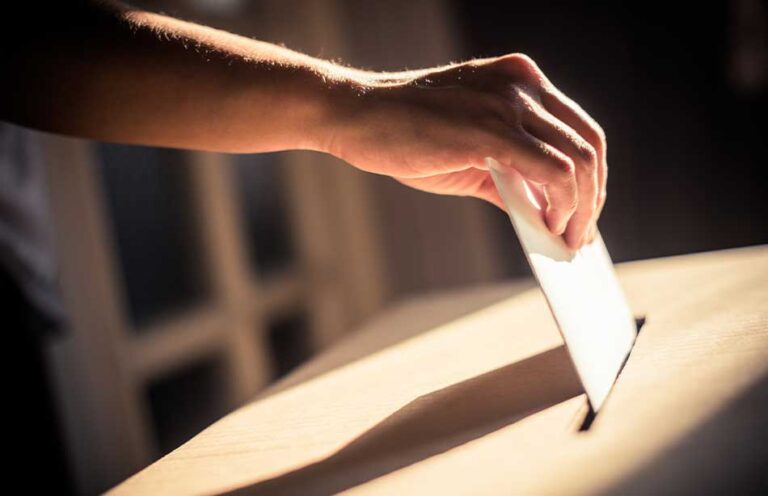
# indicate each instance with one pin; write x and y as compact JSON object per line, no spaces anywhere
{"x":433,"y":130}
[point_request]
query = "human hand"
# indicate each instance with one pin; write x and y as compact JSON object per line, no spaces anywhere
{"x":434,"y":129}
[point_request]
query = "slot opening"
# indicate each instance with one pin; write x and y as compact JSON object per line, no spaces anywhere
{"x":590,"y":414}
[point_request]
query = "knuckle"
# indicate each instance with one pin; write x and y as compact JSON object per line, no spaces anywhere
{"x":601,"y":196}
{"x":588,"y":157}
{"x":519,"y":63}
{"x":564,"y":169}
{"x":599,"y":133}
{"x":523,"y":102}
{"x":524,"y":62}
{"x":519,"y":103}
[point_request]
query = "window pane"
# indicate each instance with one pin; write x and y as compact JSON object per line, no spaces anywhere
{"x":289,"y":342}
{"x":186,"y":401}
{"x":147,"y":191}
{"x":259,"y":184}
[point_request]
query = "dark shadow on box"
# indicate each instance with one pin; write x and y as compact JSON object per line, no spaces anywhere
{"x":726,"y":454}
{"x":434,"y":423}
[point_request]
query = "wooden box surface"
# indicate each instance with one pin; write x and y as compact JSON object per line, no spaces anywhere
{"x":472,"y":392}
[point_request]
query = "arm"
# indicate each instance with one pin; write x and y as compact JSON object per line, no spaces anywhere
{"x":106,"y":71}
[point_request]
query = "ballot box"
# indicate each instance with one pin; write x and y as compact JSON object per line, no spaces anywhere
{"x":472,"y":392}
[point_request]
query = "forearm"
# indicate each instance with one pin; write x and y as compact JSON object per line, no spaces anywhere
{"x":129,"y":76}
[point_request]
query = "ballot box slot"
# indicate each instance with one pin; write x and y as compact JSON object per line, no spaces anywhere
{"x":589,"y":414}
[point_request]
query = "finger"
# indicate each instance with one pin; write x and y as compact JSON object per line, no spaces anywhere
{"x":548,"y":128}
{"x":579,"y":120}
{"x":544,"y":165}
{"x":592,"y":234}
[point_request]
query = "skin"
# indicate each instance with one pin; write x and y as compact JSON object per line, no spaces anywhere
{"x":110,"y":72}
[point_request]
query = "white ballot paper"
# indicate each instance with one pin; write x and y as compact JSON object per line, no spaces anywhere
{"x":580,"y":286}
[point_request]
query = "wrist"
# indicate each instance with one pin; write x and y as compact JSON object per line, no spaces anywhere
{"x":341,"y":103}
{"x":346,"y":96}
